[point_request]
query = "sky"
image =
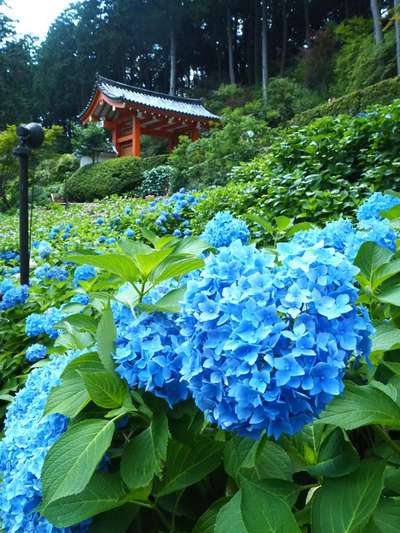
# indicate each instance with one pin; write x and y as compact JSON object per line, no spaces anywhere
{"x":35,"y":16}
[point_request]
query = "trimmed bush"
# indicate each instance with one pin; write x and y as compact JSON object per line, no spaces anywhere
{"x":383,"y":92}
{"x":117,"y":176}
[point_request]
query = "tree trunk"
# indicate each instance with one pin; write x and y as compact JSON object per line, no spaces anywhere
{"x":376,"y":15}
{"x":284,"y":37}
{"x":231,"y":59}
{"x":256,"y":42}
{"x":264,"y":51}
{"x":172,"y":72}
{"x":307,"y":23}
{"x":397,"y":27}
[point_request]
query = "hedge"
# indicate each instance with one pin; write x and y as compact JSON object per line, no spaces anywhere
{"x":116,"y":176}
{"x":383,"y":93}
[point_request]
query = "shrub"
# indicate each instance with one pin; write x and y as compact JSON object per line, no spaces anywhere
{"x":156,"y":181}
{"x":96,"y":181}
{"x":66,"y":165}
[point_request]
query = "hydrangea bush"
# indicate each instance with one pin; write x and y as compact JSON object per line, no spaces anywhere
{"x":183,"y":388}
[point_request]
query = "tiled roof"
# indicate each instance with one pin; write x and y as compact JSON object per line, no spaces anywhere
{"x":121,"y":92}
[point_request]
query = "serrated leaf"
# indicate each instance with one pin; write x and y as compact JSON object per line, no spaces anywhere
{"x":283,"y":223}
{"x":344,"y":505}
{"x":385,"y":272}
{"x":147,"y":263}
{"x":72,"y":460}
{"x":337,"y":457}
{"x":105,"y":338}
{"x":371,"y":257}
{"x":170,"y":303}
{"x":229,"y":517}
{"x":206,"y":523}
{"x":265,"y":511}
{"x":134,"y":248}
{"x":386,"y":338}
{"x":191,"y":246}
{"x":390,"y":295}
{"x":177,"y":269}
{"x":69,"y":398}
{"x":106,"y":389}
{"x":104,"y":492}
{"x":187,"y":465}
{"x":120,"y":265}
{"x":144,"y":454}
{"x":361,"y":405}
{"x":240,"y":452}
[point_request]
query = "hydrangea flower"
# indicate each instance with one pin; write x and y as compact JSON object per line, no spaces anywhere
{"x":224,"y":229}
{"x":44,"y":249}
{"x":99,"y":221}
{"x":267,"y":346}
{"x":375,"y":204}
{"x":28,"y":437}
{"x":36,"y":352}
{"x":129,"y":233}
{"x":80,"y":298}
{"x":46,"y":271}
{"x":146,"y":349}
{"x":13,"y":296}
{"x":84,"y":273}
{"x":38,"y":324}
{"x":8,"y":256}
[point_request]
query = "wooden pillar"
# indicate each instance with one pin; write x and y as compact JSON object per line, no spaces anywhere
{"x":136,"y":136}
{"x":195,"y":134}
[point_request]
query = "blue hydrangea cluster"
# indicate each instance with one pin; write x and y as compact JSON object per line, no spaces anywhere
{"x":84,"y":273}
{"x":28,"y":437}
{"x":266,"y":346}
{"x":224,"y":228}
{"x":11,"y":296}
{"x":8,"y":255}
{"x":39,"y":324}
{"x":80,"y":298}
{"x":147,"y":349}
{"x":375,"y":204}
{"x":46,"y":271}
{"x":36,"y":352}
{"x":44,"y":249}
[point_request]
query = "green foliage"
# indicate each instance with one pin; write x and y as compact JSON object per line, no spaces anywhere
{"x":103,"y":179}
{"x":157,"y":181}
{"x":90,"y":141}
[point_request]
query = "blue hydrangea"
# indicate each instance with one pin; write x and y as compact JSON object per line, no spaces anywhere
{"x":8,"y":255}
{"x":146,"y":349}
{"x":266,"y":346}
{"x":36,"y":352}
{"x":111,"y":240}
{"x":13,"y":296}
{"x":38,"y":324}
{"x":101,"y":239}
{"x":224,"y":229}
{"x":6,"y":285}
{"x":46,"y":271}
{"x":80,"y":298}
{"x":375,"y":204}
{"x":99,"y":221}
{"x":28,"y":437}
{"x":129,"y":233}
{"x":127,"y":210}
{"x":84,"y":273}
{"x":44,"y":249}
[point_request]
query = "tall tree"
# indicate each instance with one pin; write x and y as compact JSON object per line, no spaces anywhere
{"x":284,"y":37}
{"x":376,"y":17}
{"x":264,"y":49}
{"x":231,"y":53}
{"x":307,"y":22}
{"x":397,"y":30}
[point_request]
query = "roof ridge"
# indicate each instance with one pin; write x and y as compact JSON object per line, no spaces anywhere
{"x":100,"y":78}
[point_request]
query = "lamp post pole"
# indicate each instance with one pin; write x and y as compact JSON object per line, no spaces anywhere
{"x":22,"y":152}
{"x":30,"y":136}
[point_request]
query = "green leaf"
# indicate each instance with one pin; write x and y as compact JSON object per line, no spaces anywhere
{"x":392,"y":214}
{"x":187,"y":465}
{"x":344,"y":505}
{"x":144,"y":454}
{"x":370,"y":257}
{"x":390,"y":295}
{"x":170,"y":303}
{"x":264,"y":511}
{"x":272,"y":462}
{"x":261,"y":221}
{"x":385,"y":272}
{"x":120,"y":265}
{"x":283,"y":223}
{"x":72,"y":460}
{"x":301,"y":226}
{"x":240,"y":452}
{"x":177,"y":268}
{"x":88,"y":362}
{"x":116,"y":521}
{"x":361,"y":406}
{"x":105,"y":337}
{"x":207,"y":521}
{"x":386,"y":517}
{"x":69,"y":398}
{"x":134,"y":248}
{"x":149,"y":262}
{"x":229,"y":518}
{"x":386,"y":338}
{"x":106,"y":389}
{"x":191,"y":246}
{"x":81,"y":321}
{"x":149,"y":235}
{"x":394,"y":367}
{"x":104,"y":492}
{"x":337,"y":457}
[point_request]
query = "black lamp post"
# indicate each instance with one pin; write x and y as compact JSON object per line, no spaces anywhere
{"x":30,"y":136}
